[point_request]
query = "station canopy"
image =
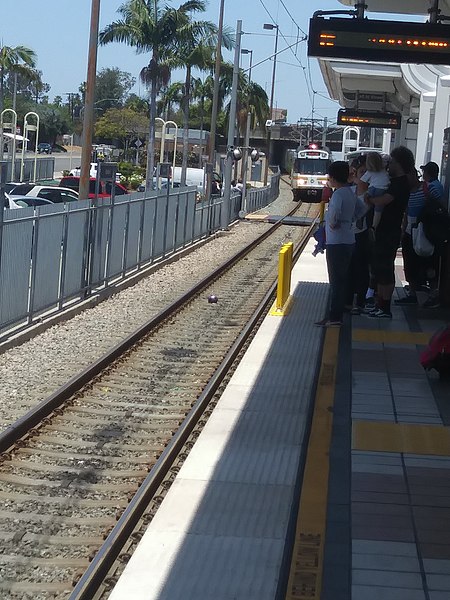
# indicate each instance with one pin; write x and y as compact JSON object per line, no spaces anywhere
{"x":411,"y":7}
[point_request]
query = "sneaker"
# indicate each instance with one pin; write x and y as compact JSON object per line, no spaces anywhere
{"x":370,"y":302}
{"x":328,"y":323}
{"x":431,"y":303}
{"x":369,"y":309}
{"x":356,"y":310}
{"x":406,"y":300}
{"x":380,"y":314}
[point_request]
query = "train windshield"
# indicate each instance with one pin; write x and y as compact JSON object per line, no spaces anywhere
{"x":311,"y":166}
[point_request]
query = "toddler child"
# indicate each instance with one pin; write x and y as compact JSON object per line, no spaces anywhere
{"x":377,"y":180}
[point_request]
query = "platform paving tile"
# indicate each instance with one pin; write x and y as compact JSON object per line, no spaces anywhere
{"x":384,"y":548}
{"x":384,"y":498}
{"x":435,"y":551}
{"x":368,"y":360}
{"x":393,"y":579}
{"x":436,"y":566}
{"x":372,"y":508}
{"x":378,"y":483}
{"x":388,"y":534}
{"x":411,"y":386}
{"x":382,"y":458}
{"x":405,"y":564}
{"x":381,"y":521}
{"x":433,"y":595}
{"x":372,"y":346}
{"x":439,"y":582}
{"x":377,"y":468}
{"x":427,"y":462}
{"x":413,"y":420}
{"x":368,"y":592}
{"x":362,"y":416}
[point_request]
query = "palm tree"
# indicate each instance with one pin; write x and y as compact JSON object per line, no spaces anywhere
{"x":154,"y":28}
{"x":197,"y":43}
{"x":170,"y":96}
{"x":20,"y":60}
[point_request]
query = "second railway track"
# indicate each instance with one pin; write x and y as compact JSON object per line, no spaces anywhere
{"x":64,"y":485}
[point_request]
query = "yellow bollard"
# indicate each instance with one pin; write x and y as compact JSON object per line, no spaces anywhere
{"x":283,"y":302}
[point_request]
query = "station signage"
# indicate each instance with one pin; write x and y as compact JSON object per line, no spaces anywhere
{"x":369,"y":118}
{"x":380,"y":41}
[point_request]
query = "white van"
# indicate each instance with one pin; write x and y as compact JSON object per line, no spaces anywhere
{"x":193,"y":177}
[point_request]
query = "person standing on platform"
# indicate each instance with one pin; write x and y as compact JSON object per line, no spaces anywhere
{"x":358,"y":277}
{"x":388,"y":233}
{"x":340,"y":240}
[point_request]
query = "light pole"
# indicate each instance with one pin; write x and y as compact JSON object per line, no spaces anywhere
{"x":225,"y":214}
{"x":269,"y":141}
{"x":247,"y":135}
{"x":161,"y":149}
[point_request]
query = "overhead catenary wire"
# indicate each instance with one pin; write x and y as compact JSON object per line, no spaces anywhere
{"x":293,"y":53}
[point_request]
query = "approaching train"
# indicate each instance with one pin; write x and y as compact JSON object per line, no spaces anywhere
{"x":309,"y":168}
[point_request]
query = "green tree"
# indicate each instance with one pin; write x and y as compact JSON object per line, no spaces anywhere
{"x":112,"y":88}
{"x":171,"y":95}
{"x":198,"y":40}
{"x":151,"y":27}
{"x":20,"y":60}
{"x":122,"y":124}
{"x":53,"y":122}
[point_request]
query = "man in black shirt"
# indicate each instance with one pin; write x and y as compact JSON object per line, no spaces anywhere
{"x":388,"y":232}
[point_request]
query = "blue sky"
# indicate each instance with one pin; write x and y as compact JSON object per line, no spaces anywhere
{"x":58,"y":31}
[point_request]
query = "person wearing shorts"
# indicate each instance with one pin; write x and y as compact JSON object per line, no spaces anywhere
{"x":388,"y":232}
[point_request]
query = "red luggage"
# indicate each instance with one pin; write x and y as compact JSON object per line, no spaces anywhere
{"x":437,"y":354}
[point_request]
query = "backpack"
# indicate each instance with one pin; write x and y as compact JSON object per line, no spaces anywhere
{"x":437,"y":354}
{"x":435,"y":220}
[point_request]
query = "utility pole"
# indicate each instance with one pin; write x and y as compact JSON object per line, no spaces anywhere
{"x":231,"y":129}
{"x":88,"y":120}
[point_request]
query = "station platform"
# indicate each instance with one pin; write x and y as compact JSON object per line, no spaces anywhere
{"x":322,"y":474}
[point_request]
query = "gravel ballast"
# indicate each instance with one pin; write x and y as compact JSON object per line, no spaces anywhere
{"x":35,"y":369}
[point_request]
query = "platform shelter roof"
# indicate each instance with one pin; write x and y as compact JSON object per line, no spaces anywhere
{"x":410,"y":7}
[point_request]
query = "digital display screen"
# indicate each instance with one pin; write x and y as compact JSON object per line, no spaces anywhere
{"x":369,"y":118}
{"x":380,"y":41}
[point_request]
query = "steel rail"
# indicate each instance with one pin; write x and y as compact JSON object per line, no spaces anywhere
{"x":97,"y":571}
{"x":24,"y":425}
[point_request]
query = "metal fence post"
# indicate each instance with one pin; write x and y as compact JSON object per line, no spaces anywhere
{"x":3,"y":176}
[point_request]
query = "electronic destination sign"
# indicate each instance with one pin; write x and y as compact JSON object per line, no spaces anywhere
{"x":369,"y":118}
{"x":380,"y":41}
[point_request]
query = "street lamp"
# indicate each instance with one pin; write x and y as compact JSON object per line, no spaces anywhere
{"x":164,"y":125}
{"x":269,"y":143}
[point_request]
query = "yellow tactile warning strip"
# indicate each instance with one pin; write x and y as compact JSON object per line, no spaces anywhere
{"x":305,"y":577}
{"x":390,"y":337}
{"x":400,"y":437}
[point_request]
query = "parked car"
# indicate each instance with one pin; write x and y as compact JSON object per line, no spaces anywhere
{"x":92,"y":173}
{"x":9,"y":202}
{"x":44,"y":148}
{"x":105,"y":187}
{"x":24,"y":201}
{"x":54,"y":193}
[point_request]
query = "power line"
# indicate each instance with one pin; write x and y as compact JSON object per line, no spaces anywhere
{"x":293,"y":20}
{"x":293,"y":53}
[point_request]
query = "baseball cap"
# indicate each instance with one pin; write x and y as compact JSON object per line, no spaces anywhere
{"x":431,"y":167}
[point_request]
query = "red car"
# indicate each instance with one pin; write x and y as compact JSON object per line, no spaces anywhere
{"x":104,"y":191}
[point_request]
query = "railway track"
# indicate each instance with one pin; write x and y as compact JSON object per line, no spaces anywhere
{"x":86,"y":462}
